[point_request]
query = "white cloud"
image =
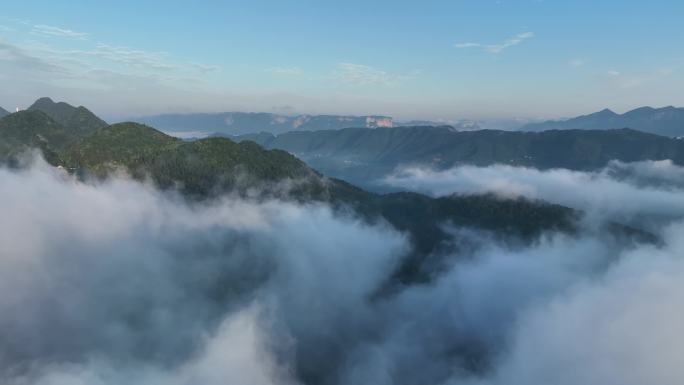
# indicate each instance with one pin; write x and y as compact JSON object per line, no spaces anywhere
{"x":498,"y":48}
{"x":50,"y":31}
{"x":622,"y":329}
{"x":618,"y":323}
{"x":161,"y":293}
{"x":271,"y":292}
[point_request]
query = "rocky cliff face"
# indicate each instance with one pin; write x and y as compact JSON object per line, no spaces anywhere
{"x":379,"y":121}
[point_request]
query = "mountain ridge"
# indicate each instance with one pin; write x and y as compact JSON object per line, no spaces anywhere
{"x":362,"y":156}
{"x":666,"y":121}
{"x":79,"y":118}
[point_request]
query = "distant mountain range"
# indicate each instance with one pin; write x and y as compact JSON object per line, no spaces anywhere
{"x":238,"y":123}
{"x":3,"y":112}
{"x":241,"y":123}
{"x":362,"y":156}
{"x":667,"y":121}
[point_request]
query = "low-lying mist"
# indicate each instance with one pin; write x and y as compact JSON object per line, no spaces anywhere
{"x":645,"y":194}
{"x":116,"y":282}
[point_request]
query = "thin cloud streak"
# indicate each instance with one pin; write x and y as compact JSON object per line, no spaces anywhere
{"x":50,"y":31}
{"x":498,"y":48}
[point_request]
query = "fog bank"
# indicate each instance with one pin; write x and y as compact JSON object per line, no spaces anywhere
{"x":119,"y":283}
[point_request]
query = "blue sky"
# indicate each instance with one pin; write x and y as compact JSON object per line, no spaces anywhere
{"x":413,"y":60}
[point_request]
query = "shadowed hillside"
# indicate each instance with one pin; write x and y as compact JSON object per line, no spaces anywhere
{"x":362,"y":156}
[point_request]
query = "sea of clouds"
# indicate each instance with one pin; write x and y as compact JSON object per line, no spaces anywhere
{"x":116,"y":282}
